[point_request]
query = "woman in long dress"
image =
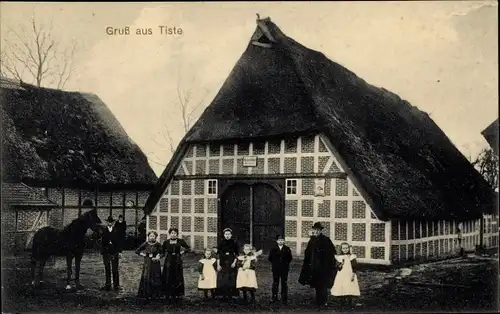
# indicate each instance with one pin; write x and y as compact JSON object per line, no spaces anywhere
{"x":173,"y":273}
{"x":346,"y":284}
{"x":227,"y":253}
{"x":150,"y":284}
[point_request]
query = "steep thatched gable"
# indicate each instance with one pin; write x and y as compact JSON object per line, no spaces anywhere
{"x":399,"y":156}
{"x":54,"y":137}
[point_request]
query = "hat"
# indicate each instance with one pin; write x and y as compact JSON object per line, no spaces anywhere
{"x":318,"y":225}
{"x":110,"y":219}
{"x":279,"y":236}
{"x":227,"y":229}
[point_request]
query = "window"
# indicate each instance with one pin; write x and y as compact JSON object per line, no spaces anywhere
{"x":88,"y":203}
{"x":212,"y":187}
{"x":291,"y":187}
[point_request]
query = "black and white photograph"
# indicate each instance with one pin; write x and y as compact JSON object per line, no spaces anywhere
{"x":208,"y":157}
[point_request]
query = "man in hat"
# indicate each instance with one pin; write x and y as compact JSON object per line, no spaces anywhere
{"x":111,"y":252}
{"x":280,"y":257}
{"x":318,"y":270}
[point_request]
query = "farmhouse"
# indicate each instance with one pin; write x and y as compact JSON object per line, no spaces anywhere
{"x":292,"y":138}
{"x":63,"y":154}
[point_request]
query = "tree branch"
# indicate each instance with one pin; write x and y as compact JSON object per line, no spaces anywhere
{"x":37,"y":53}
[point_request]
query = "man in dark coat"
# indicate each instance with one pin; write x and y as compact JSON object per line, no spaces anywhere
{"x":280,"y":257}
{"x":121,"y":228}
{"x":111,"y":251}
{"x":318,"y":270}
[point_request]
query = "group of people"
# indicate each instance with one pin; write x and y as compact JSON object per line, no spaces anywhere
{"x":226,"y":272}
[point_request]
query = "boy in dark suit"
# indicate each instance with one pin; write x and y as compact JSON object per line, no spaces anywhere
{"x":111,"y":250}
{"x":280,"y":258}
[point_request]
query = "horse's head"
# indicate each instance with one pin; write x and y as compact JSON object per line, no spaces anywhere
{"x":93,"y":220}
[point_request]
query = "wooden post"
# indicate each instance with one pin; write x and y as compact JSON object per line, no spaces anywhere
{"x":136,"y":232}
{"x":481,"y":231}
{"x":79,"y":202}
{"x":123,"y":204}
{"x":251,"y":215}
{"x":110,"y":202}
{"x":63,"y":206}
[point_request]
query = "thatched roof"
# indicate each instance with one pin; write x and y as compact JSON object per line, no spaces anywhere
{"x":491,"y":135}
{"x":54,"y":137}
{"x":402,"y":160}
{"x":19,"y":194}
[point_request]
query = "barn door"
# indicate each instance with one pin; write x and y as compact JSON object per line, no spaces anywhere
{"x":235,"y":213}
{"x":253,"y":210}
{"x":268,"y":216}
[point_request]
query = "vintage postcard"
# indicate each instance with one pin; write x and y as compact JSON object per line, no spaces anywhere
{"x":237,"y":156}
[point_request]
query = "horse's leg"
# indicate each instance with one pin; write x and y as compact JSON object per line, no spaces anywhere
{"x":69,"y":266}
{"x":78,"y":260}
{"x":40,"y":269}
{"x":34,"y":281}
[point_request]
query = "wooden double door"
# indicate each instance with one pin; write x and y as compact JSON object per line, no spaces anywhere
{"x":253,"y":209}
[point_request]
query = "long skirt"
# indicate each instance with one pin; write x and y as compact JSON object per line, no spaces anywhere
{"x":150,"y":284}
{"x":226,"y":280}
{"x":173,"y":277}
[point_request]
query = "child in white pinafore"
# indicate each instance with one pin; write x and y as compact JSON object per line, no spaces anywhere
{"x":346,"y":284}
{"x":208,"y":275}
{"x":246,"y":280}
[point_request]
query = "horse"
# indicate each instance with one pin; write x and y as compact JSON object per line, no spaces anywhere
{"x":68,"y":242}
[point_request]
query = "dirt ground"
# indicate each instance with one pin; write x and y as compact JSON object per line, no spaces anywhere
{"x":458,"y":285}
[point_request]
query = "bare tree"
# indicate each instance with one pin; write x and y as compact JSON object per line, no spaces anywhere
{"x":487,"y":164}
{"x":188,"y":110}
{"x":35,"y":55}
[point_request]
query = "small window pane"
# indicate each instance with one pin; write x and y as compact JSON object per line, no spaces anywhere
{"x":291,"y":187}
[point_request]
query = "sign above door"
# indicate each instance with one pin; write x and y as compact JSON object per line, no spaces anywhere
{"x":250,"y":161}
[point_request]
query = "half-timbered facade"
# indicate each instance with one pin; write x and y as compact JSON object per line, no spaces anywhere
{"x":293,"y":138}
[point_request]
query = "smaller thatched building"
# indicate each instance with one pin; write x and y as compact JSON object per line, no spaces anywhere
{"x":70,"y":148}
{"x":293,"y":138}
{"x":491,"y":135}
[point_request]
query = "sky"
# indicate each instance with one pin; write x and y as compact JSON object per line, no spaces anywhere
{"x":440,"y":56}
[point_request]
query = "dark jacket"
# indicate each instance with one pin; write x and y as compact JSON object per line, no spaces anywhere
{"x":319,"y":267}
{"x":280,"y":259}
{"x":111,"y":241}
{"x":121,"y":228}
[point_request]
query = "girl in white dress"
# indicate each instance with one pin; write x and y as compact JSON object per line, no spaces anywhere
{"x":208,"y":275}
{"x":246,"y":280}
{"x":346,"y":284}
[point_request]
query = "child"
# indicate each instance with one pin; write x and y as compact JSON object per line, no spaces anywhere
{"x":280,"y":258}
{"x":150,"y":285}
{"x":246,"y":280}
{"x":208,"y":274}
{"x":346,"y":282}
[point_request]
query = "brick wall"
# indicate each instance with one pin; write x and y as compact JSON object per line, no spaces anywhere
{"x":19,"y":225}
{"x":107,"y":203}
{"x":187,"y":204}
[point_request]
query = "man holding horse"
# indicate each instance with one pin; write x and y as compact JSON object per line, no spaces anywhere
{"x":111,"y":253}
